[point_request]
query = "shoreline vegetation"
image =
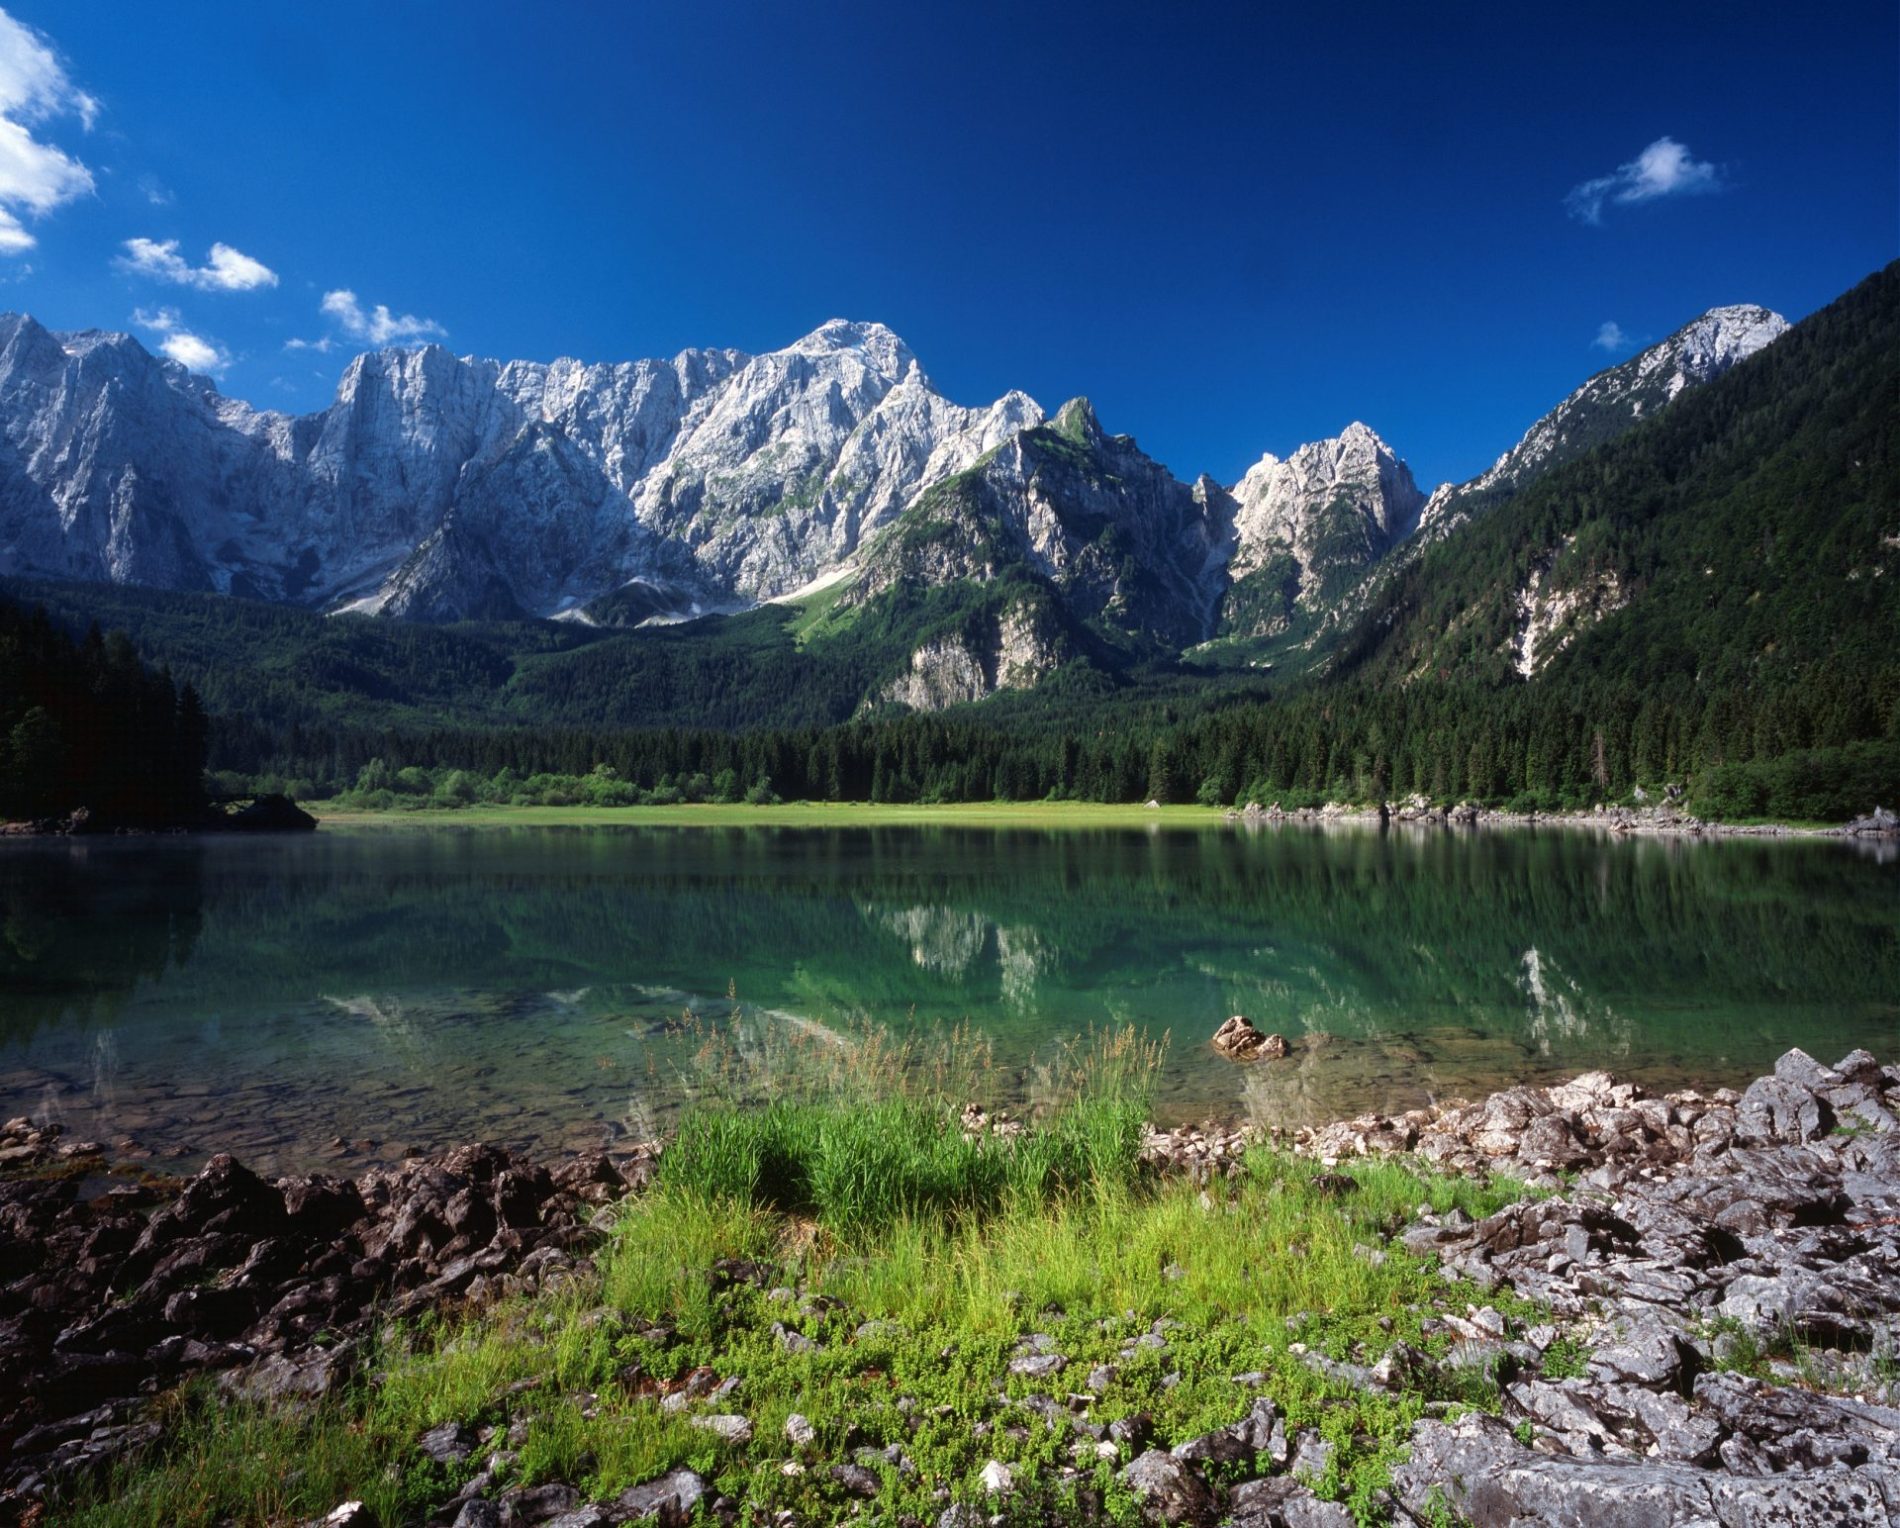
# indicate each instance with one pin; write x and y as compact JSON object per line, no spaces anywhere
{"x":426,"y":811}
{"x":848,"y":1289}
{"x":273,"y":813}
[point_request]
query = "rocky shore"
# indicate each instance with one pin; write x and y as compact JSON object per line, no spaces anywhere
{"x":1717,"y":1279}
{"x":1686,"y":1239}
{"x":1667,"y":818}
{"x":116,"y":1284}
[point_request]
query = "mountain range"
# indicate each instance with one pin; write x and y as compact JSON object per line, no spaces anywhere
{"x":1688,"y":573}
{"x":829,"y":474}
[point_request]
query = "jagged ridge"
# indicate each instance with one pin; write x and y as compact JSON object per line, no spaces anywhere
{"x":440,"y":488}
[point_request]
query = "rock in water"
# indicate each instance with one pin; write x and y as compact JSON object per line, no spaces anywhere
{"x":1238,"y":1039}
{"x":272,"y":814}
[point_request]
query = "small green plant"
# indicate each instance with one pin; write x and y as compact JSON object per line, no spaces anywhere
{"x":1566,"y":1358}
{"x":1438,"y":1511}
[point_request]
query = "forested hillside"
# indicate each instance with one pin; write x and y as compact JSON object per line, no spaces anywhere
{"x":1745,"y":540}
{"x":270,"y":671}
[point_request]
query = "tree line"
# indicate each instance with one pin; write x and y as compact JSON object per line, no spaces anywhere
{"x":1825,"y":749}
{"x":86,"y":724}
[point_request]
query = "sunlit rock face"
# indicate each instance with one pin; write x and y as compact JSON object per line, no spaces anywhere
{"x":1075,"y":511}
{"x":1309,"y":526}
{"x":442,"y":487}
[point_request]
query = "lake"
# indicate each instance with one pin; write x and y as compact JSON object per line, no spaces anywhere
{"x":361,"y":993}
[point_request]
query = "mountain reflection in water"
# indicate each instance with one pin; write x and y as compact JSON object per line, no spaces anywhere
{"x":358,"y":994}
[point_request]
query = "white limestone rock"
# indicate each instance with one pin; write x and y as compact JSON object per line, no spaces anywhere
{"x":1109,"y":530}
{"x":1334,"y":507}
{"x":440,"y":487}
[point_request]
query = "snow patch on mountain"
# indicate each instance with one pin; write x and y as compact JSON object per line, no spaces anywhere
{"x":441,"y":487}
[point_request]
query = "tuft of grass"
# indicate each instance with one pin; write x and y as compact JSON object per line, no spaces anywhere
{"x":899,"y":1160}
{"x":862,"y":1131}
{"x":750,"y":1057}
{"x":250,"y":1464}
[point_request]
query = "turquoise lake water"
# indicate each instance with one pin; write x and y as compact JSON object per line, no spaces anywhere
{"x":358,"y":994}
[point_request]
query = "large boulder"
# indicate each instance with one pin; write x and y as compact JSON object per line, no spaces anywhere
{"x":1171,"y":1490}
{"x":1791,"y":1105}
{"x":271,"y":814}
{"x":669,"y":1501}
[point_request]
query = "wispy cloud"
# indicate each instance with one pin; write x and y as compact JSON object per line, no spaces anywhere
{"x":1610,"y":337}
{"x":35,"y":177}
{"x":228,"y":269}
{"x":192,"y":351}
{"x":322,"y":346}
{"x":1665,"y":168}
{"x":377,"y":325}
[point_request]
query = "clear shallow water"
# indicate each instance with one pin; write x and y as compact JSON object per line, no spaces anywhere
{"x":400,"y":990}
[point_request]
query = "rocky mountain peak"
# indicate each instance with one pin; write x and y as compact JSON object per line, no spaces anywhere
{"x":110,"y":347}
{"x":439,"y":486}
{"x":1316,"y":518}
{"x":1709,"y":345}
{"x":1078,"y":421}
{"x":883,"y":351}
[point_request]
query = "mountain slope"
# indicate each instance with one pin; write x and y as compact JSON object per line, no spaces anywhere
{"x":1308,"y":528}
{"x":1746,"y":535}
{"x":1343,"y":518}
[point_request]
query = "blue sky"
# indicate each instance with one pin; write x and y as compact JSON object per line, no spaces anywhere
{"x":1235,"y":228}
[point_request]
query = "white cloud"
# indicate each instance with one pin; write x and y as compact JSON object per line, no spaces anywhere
{"x":195,"y":353}
{"x":322,"y":347}
{"x":1665,"y":168}
{"x":35,"y":177}
{"x":1611,"y":337}
{"x":192,"y":351}
{"x":377,"y":326}
{"x":228,"y":270}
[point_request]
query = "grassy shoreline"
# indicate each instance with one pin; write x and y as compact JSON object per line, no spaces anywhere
{"x":829,"y":1299}
{"x":846,"y":1289}
{"x":798,"y":814}
{"x":988,"y":814}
